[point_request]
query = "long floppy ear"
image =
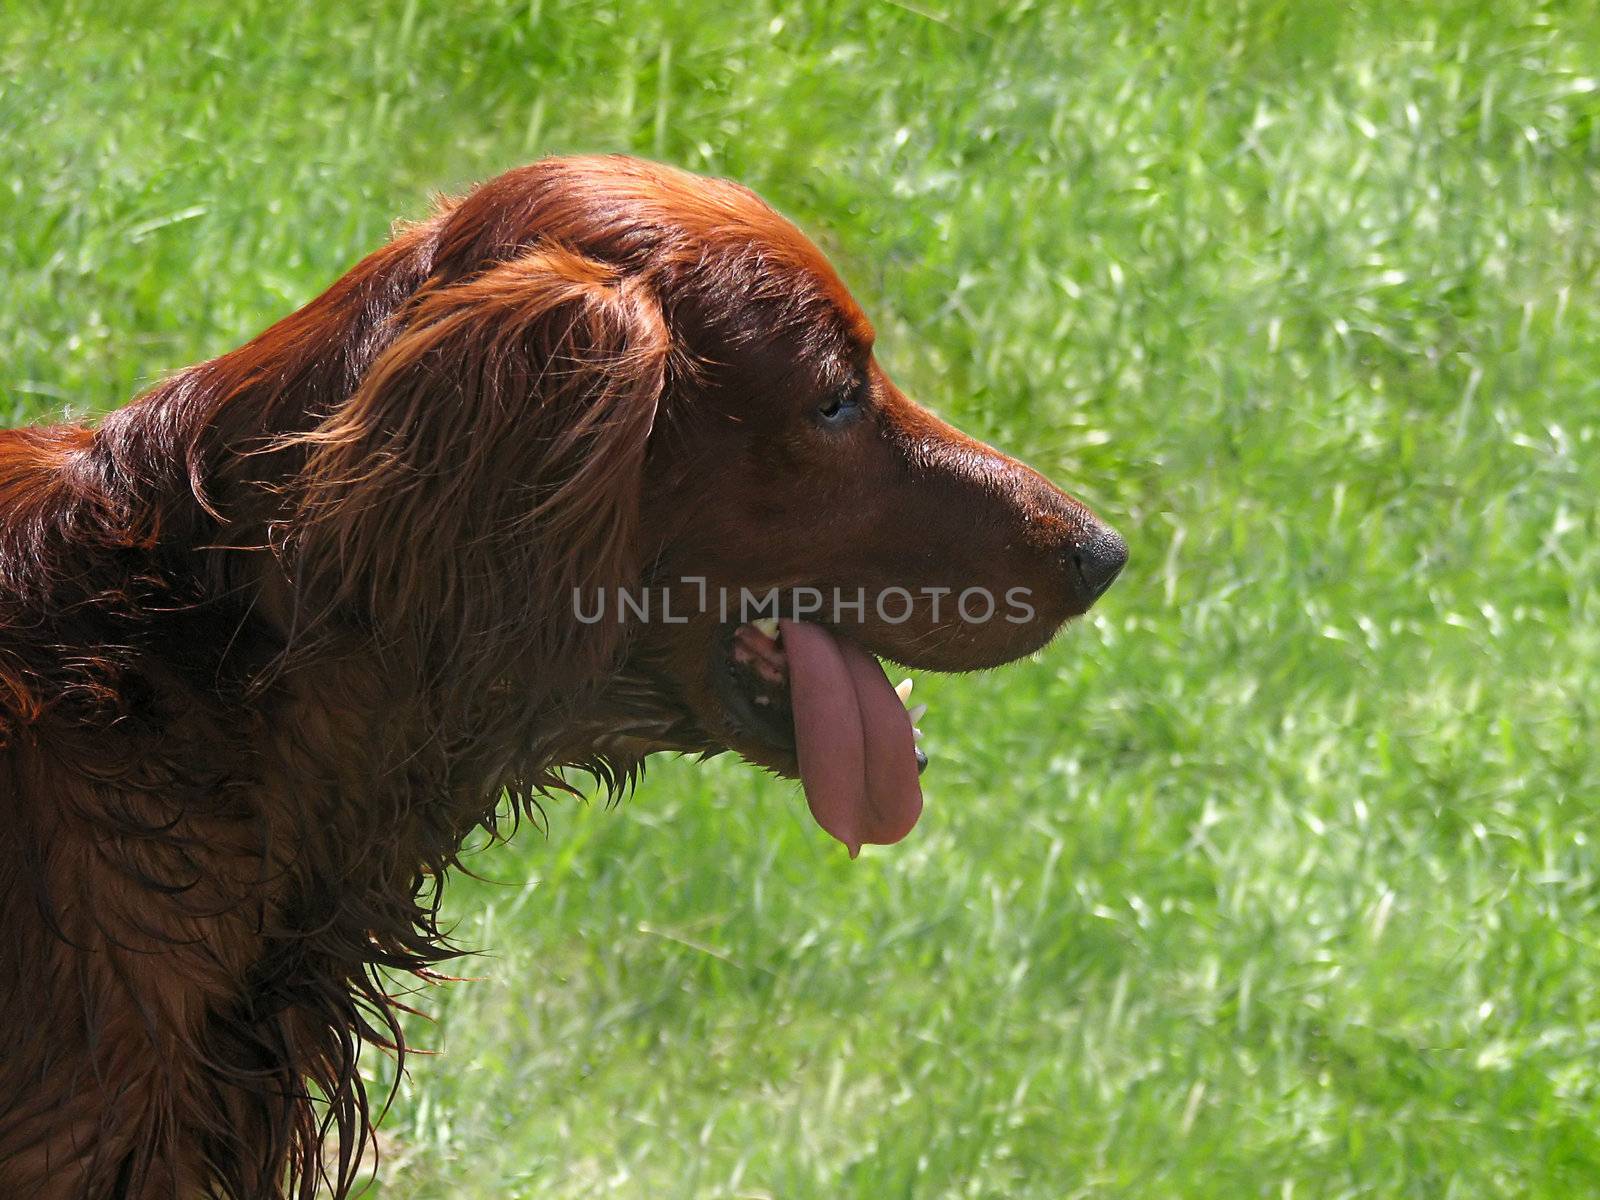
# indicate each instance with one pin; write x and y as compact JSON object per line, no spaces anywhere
{"x":489,"y":463}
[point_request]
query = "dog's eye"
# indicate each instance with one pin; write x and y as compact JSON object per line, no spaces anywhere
{"x":844,"y":404}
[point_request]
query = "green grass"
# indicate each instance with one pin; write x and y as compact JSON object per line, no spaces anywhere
{"x":1276,"y":878}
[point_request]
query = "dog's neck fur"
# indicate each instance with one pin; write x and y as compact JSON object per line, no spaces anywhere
{"x":277,"y":799}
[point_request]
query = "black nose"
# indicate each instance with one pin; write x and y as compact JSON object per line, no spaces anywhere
{"x":1098,"y":559}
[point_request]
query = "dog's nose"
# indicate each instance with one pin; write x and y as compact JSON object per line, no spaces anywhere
{"x":1098,"y":558}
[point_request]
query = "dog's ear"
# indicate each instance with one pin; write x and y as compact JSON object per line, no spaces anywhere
{"x":489,"y":464}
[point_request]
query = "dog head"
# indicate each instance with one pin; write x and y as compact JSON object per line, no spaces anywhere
{"x":651,"y":407}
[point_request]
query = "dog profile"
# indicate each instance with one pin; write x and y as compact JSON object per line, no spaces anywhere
{"x":279,"y":634}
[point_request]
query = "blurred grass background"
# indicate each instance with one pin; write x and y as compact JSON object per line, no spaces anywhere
{"x":1275,"y":878}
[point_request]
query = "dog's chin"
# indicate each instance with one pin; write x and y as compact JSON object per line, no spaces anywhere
{"x":748,"y":707}
{"x":800,"y":699}
{"x":728,"y":686}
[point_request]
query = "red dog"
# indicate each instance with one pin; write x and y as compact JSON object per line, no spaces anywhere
{"x":277,"y":635}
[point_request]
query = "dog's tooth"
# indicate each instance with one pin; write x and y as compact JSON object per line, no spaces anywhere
{"x":768,"y":626}
{"x":903,"y":690}
{"x":916,"y":734}
{"x":916,"y":713}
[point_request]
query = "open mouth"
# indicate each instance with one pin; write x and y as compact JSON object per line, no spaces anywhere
{"x":800,"y":689}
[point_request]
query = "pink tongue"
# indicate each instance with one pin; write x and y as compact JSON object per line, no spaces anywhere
{"x":858,"y":762}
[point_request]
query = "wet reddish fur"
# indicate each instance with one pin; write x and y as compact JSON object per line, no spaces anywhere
{"x":279,"y":634}
{"x":254,"y":629}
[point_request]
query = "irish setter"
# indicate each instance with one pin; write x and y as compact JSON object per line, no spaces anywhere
{"x":277,"y":635}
